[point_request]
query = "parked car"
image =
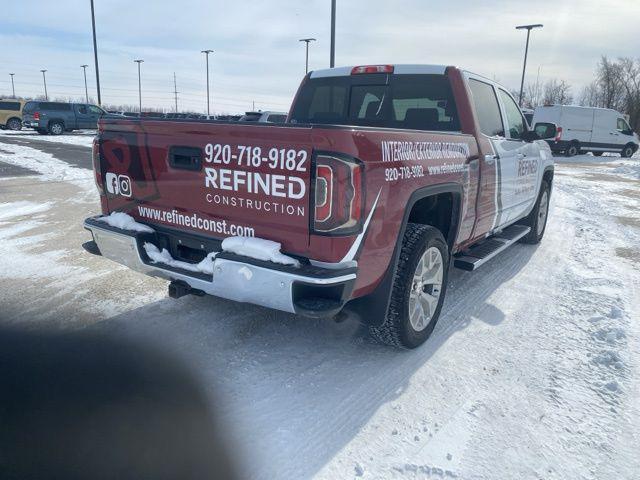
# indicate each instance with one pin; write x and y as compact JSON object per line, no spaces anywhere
{"x":55,"y":118}
{"x":11,"y":113}
{"x":151,"y":115}
{"x":588,"y":129}
{"x":264,"y":117}
{"x":229,"y":118}
{"x":385,"y":175}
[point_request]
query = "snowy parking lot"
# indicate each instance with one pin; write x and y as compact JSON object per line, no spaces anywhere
{"x":533,"y":370}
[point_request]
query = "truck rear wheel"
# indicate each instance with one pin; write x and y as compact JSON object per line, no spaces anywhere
{"x":56,"y":128}
{"x":418,"y":290}
{"x":537,"y":219}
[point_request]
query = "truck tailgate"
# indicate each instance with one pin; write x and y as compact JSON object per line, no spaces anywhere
{"x":212,"y":179}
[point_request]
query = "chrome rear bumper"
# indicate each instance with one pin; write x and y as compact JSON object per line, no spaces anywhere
{"x":308,"y":290}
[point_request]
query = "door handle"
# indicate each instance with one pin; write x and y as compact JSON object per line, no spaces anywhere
{"x":490,"y":159}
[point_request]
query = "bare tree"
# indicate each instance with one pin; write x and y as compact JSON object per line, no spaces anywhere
{"x":557,"y":92}
{"x":590,"y":95}
{"x":616,"y":86}
{"x":628,"y":72}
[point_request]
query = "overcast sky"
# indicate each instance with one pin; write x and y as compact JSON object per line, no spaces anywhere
{"x":258,"y":57}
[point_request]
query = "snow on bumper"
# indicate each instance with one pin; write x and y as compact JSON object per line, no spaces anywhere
{"x":306,"y":290}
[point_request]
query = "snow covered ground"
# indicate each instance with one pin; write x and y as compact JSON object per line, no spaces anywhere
{"x":80,"y":137}
{"x":532,"y":372}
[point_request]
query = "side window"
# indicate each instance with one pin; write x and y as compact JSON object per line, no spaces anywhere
{"x":622,"y":125}
{"x":95,"y":110}
{"x":487,"y":109}
{"x":82,"y":109}
{"x":277,"y":118}
{"x":11,"y":106}
{"x":515,"y":121}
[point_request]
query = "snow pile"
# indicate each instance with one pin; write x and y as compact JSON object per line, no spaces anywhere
{"x":157,"y":256}
{"x":258,"y":248}
{"x":83,"y":138}
{"x":22,"y":208}
{"x":49,"y":167}
{"x":124,"y":221}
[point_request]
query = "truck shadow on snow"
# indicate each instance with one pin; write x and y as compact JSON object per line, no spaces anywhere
{"x":295,"y":391}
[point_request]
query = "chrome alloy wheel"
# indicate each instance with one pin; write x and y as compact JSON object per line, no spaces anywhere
{"x":543,"y":210}
{"x":425,"y":289}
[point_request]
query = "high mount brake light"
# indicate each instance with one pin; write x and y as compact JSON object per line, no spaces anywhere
{"x":558,"y":134}
{"x":338,"y":195}
{"x":372,"y":69}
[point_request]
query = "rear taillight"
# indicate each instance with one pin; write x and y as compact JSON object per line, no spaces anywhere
{"x":558,"y":134}
{"x":36,"y":116}
{"x":372,"y":69}
{"x":339,"y":195}
{"x":97,"y":170}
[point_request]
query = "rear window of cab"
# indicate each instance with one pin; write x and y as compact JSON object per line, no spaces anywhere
{"x":414,"y":102}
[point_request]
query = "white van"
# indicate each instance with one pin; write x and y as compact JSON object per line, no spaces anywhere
{"x":588,"y":129}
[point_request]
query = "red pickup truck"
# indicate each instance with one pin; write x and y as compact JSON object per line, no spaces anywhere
{"x":382,"y":177}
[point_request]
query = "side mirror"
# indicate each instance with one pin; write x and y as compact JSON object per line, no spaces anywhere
{"x":545,"y":131}
{"x":529,"y":136}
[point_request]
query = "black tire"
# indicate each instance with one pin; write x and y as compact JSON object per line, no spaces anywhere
{"x":56,"y":128}
{"x":14,"y":124}
{"x":396,"y":329}
{"x":597,"y":154}
{"x":534,"y":219}
{"x":42,"y":131}
{"x":628,"y":150}
{"x":573,"y":149}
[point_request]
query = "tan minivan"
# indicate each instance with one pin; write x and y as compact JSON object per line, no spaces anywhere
{"x":11,"y":113}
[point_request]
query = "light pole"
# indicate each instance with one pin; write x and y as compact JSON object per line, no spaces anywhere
{"x":44,"y":80}
{"x":86,"y":91}
{"x":528,"y":28}
{"x":175,"y":90}
{"x":13,"y":88}
{"x":332,"y":59}
{"x":206,"y":54}
{"x":95,"y":52}
{"x":307,"y":41}
{"x":139,"y":85}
